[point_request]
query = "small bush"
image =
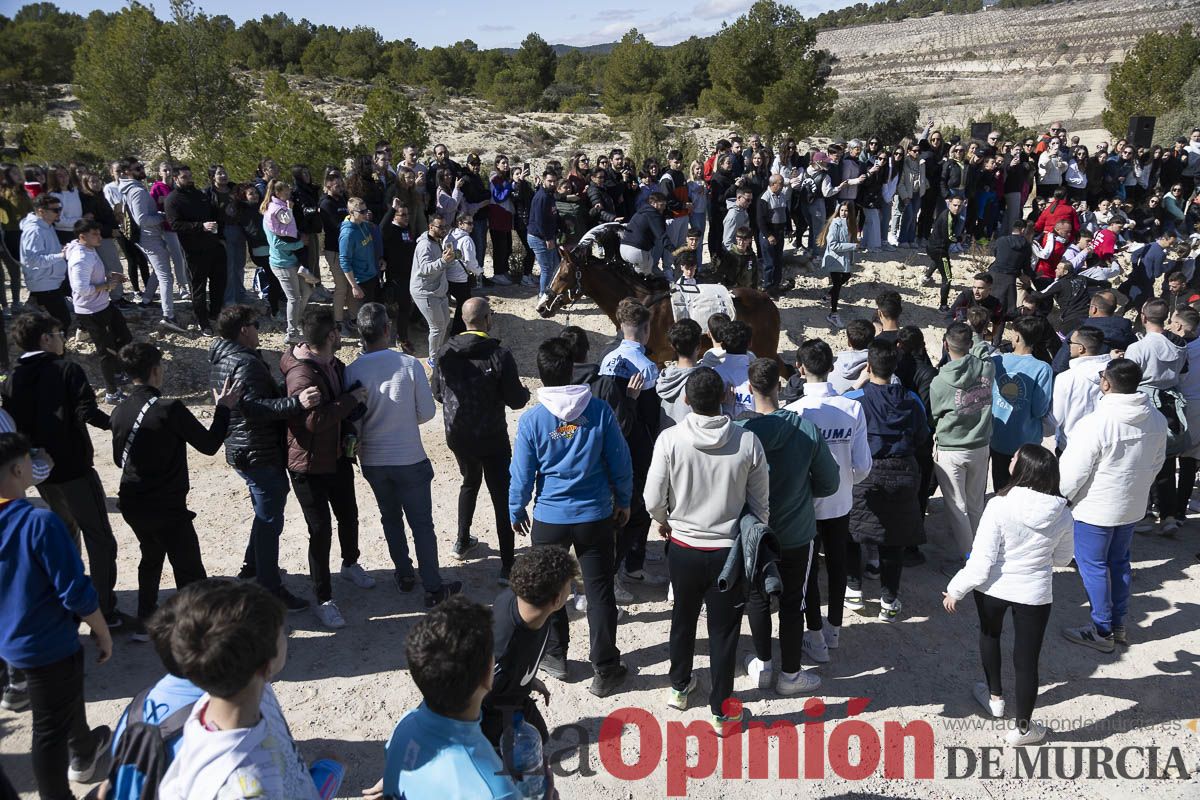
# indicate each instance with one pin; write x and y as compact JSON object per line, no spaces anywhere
{"x":597,"y":133}
{"x":350,"y":93}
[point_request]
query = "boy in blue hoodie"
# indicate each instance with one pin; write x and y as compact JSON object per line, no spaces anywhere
{"x":1021,"y":396}
{"x":43,"y":594}
{"x":886,"y":510}
{"x":569,"y":447}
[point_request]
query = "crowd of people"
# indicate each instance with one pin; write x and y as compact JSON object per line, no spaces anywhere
{"x":753,"y":472}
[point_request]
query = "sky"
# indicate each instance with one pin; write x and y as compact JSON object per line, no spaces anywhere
{"x":487,"y":22}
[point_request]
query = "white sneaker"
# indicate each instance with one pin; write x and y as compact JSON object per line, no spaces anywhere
{"x":679,"y":700}
{"x":814,"y":647}
{"x":621,"y":594}
{"x":831,"y":633}
{"x":329,"y":615}
{"x":889,"y":612}
{"x":502,"y":280}
{"x":983,"y":695}
{"x":581,"y":603}
{"x":671,"y":593}
{"x":1035,"y":734}
{"x":834,"y":320}
{"x":643,"y":577}
{"x":798,"y":683}
{"x":762,"y":674}
{"x":358,"y":576}
{"x":854,"y":599}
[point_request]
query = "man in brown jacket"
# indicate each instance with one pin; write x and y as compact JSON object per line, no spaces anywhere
{"x":320,"y":456}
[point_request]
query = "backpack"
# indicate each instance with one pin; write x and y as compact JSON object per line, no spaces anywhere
{"x":141,"y":757}
{"x":125,"y":221}
{"x":1173,"y":406}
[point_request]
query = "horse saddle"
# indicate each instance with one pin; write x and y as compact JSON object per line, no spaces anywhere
{"x":699,"y":301}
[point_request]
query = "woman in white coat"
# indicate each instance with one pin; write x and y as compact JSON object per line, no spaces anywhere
{"x":1025,"y":531}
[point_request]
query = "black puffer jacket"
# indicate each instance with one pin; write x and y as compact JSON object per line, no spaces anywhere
{"x":953,"y":177}
{"x":886,"y":506}
{"x":256,"y":427}
{"x":600,"y":205}
{"x":475,"y":378}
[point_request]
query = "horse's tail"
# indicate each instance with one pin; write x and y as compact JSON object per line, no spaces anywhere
{"x":759,"y":311}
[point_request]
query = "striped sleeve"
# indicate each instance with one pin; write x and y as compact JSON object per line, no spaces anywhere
{"x":41,"y":470}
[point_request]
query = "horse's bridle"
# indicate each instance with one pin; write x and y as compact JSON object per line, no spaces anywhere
{"x":568,"y":296}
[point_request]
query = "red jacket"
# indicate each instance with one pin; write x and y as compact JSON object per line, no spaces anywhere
{"x":1058,"y":209}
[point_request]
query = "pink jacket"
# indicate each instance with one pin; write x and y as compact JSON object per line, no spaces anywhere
{"x":279,"y":219}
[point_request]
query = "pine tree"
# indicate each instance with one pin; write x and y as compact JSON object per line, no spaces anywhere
{"x":389,"y":115}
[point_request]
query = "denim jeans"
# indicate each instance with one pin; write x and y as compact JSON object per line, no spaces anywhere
{"x":178,"y":259}
{"x":235,"y":265}
{"x":1102,"y":555}
{"x":403,"y":490}
{"x":268,"y":493}
{"x":547,"y":260}
{"x":151,"y":244}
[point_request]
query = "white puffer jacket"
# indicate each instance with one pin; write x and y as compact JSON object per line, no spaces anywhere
{"x":1022,"y":536}
{"x":1112,"y":458}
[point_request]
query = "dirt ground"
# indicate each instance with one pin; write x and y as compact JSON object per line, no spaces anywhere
{"x":343,"y":691}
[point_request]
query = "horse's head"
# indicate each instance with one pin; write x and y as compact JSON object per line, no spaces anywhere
{"x":566,"y":286}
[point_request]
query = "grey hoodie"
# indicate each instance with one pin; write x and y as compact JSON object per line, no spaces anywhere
{"x":734,"y":218}
{"x":140,"y":204}
{"x":1161,"y":356}
{"x":705,"y":470}
{"x":847,"y":368}
{"x":670,"y":391}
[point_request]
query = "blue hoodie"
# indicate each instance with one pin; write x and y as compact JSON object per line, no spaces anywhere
{"x":895,"y":419}
{"x":1021,"y":397}
{"x":569,"y":447}
{"x":42,"y":587}
{"x":356,"y":250}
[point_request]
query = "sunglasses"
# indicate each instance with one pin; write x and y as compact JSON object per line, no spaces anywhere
{"x":55,"y":209}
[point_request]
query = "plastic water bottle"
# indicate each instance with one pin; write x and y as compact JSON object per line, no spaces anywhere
{"x":522,"y":747}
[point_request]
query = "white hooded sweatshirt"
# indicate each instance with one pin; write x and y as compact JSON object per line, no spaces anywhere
{"x":1076,"y":393}
{"x":1021,"y":537}
{"x":1110,"y":462}
{"x":844,"y":427}
{"x":704,"y":471}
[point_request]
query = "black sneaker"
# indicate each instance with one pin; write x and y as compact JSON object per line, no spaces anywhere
{"x":404,"y":584}
{"x":609,"y":682}
{"x":247,"y":573}
{"x":464,"y":546}
{"x":15,"y":699}
{"x":93,"y":766}
{"x":290,"y":600}
{"x":442,"y":594}
{"x":554,"y":666}
{"x":137,"y":630}
{"x":114,"y":619}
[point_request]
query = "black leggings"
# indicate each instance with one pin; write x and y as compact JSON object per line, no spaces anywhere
{"x":1029,"y":623}
{"x":795,"y":572}
{"x":836,"y":281}
{"x":139,"y":267}
{"x":501,"y":251}
{"x":54,"y":303}
{"x":891,"y":564}
{"x":835,"y":534}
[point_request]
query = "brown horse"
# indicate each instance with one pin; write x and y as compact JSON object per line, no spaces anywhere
{"x":608,"y":282}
